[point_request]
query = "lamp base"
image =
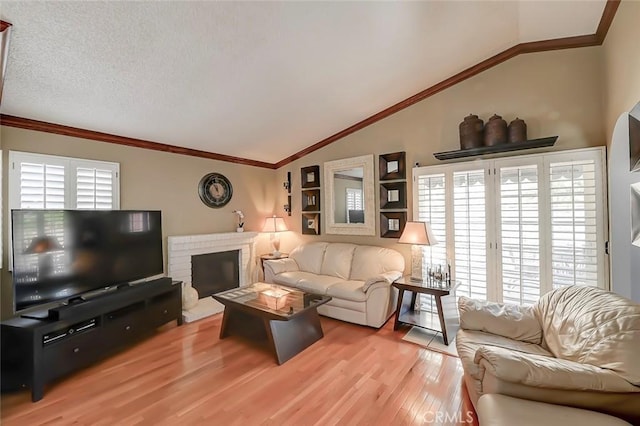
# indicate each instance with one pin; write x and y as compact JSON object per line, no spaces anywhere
{"x":276,"y":254}
{"x":416,"y":263}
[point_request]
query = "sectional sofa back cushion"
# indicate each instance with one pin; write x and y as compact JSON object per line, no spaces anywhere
{"x":592,"y":326}
{"x":309,"y":256}
{"x":337,"y":260}
{"x":370,"y":261}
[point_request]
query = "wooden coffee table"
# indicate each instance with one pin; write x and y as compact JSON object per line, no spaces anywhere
{"x":283,"y":318}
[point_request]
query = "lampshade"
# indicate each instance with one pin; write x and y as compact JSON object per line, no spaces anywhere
{"x":418,"y":233}
{"x":274,"y":224}
{"x":43,"y":244}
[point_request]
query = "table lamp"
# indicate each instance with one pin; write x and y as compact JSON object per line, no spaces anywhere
{"x":418,"y":234}
{"x":274,"y":225}
{"x":43,"y":246}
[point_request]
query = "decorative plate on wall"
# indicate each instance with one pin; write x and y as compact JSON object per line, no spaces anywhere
{"x":215,"y":190}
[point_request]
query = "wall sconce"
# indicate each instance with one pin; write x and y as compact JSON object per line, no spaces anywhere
{"x":287,"y":183}
{"x":287,"y":187}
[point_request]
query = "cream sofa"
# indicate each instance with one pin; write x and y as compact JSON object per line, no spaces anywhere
{"x":502,"y":410}
{"x":578,"y":346}
{"x":358,"y":278}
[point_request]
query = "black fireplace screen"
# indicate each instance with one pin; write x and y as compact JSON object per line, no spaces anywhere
{"x":215,"y":272}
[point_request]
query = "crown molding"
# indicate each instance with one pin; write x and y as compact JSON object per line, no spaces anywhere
{"x":595,"y":39}
{"x":43,"y":126}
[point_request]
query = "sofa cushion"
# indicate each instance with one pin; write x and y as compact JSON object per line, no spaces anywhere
{"x":309,"y":256}
{"x":387,"y":278}
{"x":291,"y":278}
{"x":369,"y":261}
{"x":512,"y":321}
{"x":317,"y":284}
{"x":468,"y":342}
{"x":279,"y":266}
{"x":349,"y":290}
{"x":592,"y":326}
{"x":337,"y":260}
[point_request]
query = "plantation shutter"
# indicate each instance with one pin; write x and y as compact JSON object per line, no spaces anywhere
{"x":575,"y":233}
{"x":354,"y":201}
{"x":519,"y":239}
{"x":432,"y":209}
{"x":94,"y":188}
{"x":41,"y":186}
{"x":470,"y":233}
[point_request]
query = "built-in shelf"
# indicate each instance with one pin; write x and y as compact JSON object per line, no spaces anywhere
{"x":505,"y":147}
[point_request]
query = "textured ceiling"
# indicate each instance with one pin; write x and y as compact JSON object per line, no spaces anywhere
{"x":258,"y":80}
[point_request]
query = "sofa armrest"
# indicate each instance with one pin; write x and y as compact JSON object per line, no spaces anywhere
{"x":512,"y":321}
{"x":278,"y":266}
{"x":548,"y":372}
{"x":386,"y":278}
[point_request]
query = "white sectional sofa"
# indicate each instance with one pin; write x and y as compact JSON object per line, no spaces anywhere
{"x":357,"y":277}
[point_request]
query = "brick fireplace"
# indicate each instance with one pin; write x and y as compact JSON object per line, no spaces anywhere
{"x":181,"y":249}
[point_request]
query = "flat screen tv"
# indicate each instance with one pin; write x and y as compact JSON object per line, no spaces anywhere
{"x":58,"y":255}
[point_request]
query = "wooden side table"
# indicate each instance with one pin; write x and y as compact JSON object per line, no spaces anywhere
{"x":271,"y":257}
{"x":444,"y":294}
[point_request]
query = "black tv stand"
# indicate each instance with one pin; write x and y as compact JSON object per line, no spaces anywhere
{"x":77,"y":299}
{"x":50,"y":344}
{"x":41,"y":315}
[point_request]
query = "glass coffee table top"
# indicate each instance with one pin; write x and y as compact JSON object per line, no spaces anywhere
{"x":273,"y":298}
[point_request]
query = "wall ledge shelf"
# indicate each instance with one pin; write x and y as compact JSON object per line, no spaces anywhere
{"x":505,"y":147}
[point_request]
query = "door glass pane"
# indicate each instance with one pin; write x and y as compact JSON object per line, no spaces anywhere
{"x":574,"y":256}
{"x":520,"y":234}
{"x":470,"y":233}
{"x":431,"y":209}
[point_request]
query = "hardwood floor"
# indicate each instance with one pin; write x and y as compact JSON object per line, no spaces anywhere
{"x":186,"y":375}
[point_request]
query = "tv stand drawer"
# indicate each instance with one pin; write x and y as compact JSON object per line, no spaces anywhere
{"x":70,"y":353}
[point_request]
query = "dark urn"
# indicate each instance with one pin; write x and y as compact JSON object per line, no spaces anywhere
{"x":517,"y":131}
{"x":495,"y":132}
{"x":471,"y":132}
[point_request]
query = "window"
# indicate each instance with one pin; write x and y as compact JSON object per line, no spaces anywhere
{"x":49,"y":182}
{"x":39,"y":181}
{"x":514,"y":228}
{"x":354,"y":204}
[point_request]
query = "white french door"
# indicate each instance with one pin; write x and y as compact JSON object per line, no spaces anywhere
{"x":514,"y":228}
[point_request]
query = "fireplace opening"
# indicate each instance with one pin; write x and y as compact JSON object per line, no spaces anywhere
{"x":215,"y":272}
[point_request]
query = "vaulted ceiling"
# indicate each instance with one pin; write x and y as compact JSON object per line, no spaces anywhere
{"x":256,"y":80}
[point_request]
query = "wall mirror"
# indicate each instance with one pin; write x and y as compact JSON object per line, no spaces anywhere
{"x":349,"y":198}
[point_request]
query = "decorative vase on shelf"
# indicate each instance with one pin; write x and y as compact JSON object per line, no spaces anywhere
{"x":189,"y":297}
{"x":471,"y":130}
{"x":517,"y":131}
{"x":239,"y":229}
{"x":495,"y":131}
